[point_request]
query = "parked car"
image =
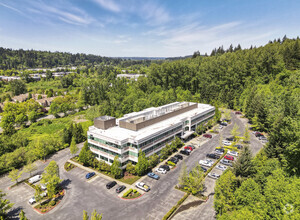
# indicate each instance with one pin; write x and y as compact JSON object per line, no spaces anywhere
{"x":205,"y":163}
{"x":178,"y":156}
{"x":111,"y":184}
{"x":217,"y":151}
{"x":233,"y":153}
{"x":207,"y":135}
{"x":89,"y":175}
{"x":44,"y":186}
{"x":257,"y":134}
{"x":165,"y":167}
{"x":238,"y":146}
{"x":142,"y":186}
{"x":153,"y":176}
{"x":174,"y":160}
{"x":188,"y":148}
{"x":214,"y":175}
{"x":204,"y":169}
{"x":223,"y":123}
{"x":226,"y":143}
{"x":160,"y":170}
{"x":221,"y":167}
{"x":213,"y":156}
{"x":32,"y":200}
{"x":192,"y":146}
{"x":184,"y":152}
{"x":230,"y":139}
{"x":238,"y":113}
{"x":35,"y":179}
{"x":262,"y":138}
{"x":226,"y":162}
{"x":120,"y":189}
{"x":227,"y":157}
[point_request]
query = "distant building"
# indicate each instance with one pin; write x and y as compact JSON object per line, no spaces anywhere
{"x":130,"y":76}
{"x":20,"y":98}
{"x":148,"y":130}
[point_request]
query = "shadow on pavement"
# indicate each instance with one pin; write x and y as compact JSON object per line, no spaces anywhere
{"x":14,"y":213}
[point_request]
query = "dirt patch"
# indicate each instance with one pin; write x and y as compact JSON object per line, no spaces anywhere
{"x":79,"y":118}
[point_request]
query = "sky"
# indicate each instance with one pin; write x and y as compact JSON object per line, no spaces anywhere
{"x":144,"y":28}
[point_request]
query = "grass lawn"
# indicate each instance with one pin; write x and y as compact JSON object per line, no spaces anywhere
{"x":130,"y":180}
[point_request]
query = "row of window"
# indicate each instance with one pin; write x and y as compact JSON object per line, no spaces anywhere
{"x":201,"y":117}
{"x":104,"y":142}
{"x":160,"y":136}
{"x":104,"y":150}
{"x":152,"y":148}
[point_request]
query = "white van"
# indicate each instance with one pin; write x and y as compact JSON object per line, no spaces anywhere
{"x":35,"y":179}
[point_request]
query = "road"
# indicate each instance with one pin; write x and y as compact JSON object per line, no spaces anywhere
{"x":89,"y":195}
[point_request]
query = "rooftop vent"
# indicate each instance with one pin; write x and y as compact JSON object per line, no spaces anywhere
{"x":104,"y":122}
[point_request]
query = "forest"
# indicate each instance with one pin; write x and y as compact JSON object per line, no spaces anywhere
{"x":261,"y":82}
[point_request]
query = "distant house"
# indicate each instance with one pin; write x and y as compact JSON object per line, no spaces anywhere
{"x":9,"y":78}
{"x":130,"y":76}
{"x":20,"y":98}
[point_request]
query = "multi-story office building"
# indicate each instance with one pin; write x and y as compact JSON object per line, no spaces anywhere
{"x":148,"y":130}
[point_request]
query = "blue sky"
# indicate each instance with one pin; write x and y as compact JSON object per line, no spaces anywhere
{"x":162,"y":28}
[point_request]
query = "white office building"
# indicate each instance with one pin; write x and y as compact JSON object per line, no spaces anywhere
{"x":148,"y":130}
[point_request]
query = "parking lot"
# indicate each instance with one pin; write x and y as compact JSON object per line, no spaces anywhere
{"x":82,"y":194}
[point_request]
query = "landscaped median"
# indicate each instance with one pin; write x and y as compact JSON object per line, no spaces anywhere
{"x":131,"y":194}
{"x":175,"y":207}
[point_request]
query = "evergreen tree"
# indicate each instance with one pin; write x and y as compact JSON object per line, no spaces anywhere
{"x":130,"y":168}
{"x":14,"y":175}
{"x":246,"y":135}
{"x":235,"y":131}
{"x":73,"y":147}
{"x":183,"y":176}
{"x":22,"y":215}
{"x":153,"y":160}
{"x":85,"y":215}
{"x":96,"y":216}
{"x":244,"y":166}
{"x":51,"y":178}
{"x":86,"y":156}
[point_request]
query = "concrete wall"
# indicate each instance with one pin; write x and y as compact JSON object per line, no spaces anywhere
{"x":104,"y":124}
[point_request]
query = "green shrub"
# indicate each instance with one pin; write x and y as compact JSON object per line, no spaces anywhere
{"x":52,"y":203}
{"x":134,"y":191}
{"x":127,"y":193}
{"x":171,"y":163}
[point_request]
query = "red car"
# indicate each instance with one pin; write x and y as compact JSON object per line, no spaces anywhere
{"x":189,"y":148}
{"x":227,"y":157}
{"x":238,"y":113}
{"x":207,"y":135}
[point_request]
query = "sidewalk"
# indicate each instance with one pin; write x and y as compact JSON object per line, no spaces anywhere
{"x":108,"y":178}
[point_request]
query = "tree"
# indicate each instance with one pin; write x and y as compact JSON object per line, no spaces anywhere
{"x":51,"y":178}
{"x":235,"y":131}
{"x":96,"y":216}
{"x":218,"y":114}
{"x":183,"y":176}
{"x":194,"y":181}
{"x":246,"y":135}
{"x":115,"y":168}
{"x":224,"y":192}
{"x":73,"y":147}
{"x":130,"y":168}
{"x":85,"y":215}
{"x":221,"y":140}
{"x":227,"y":115}
{"x":15,"y":174}
{"x":17,"y":87}
{"x":244,"y":166}
{"x":4,"y":205}
{"x":29,"y":168}
{"x":153,"y":160}
{"x":7,"y":123}
{"x":22,"y":215}
{"x":200,"y":128}
{"x":86,"y":156}
{"x":142,"y":165}
{"x":38,"y":193}
{"x":32,"y":116}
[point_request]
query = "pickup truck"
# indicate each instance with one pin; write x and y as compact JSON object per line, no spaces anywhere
{"x":142,"y":186}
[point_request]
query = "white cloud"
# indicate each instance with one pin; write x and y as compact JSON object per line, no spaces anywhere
{"x":11,"y":8}
{"x":109,"y":5}
{"x":154,"y":14}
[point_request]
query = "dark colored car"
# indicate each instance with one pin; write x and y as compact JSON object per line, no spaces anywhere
{"x":184,"y":152}
{"x":227,"y":157}
{"x":89,"y":175}
{"x":207,"y":135}
{"x":165,"y":167}
{"x":111,"y":184}
{"x":173,"y":159}
{"x":189,"y":148}
{"x":238,"y":113}
{"x":178,"y":156}
{"x":204,"y":169}
{"x":223,"y":123}
{"x":213,"y":156}
{"x":220,"y":149}
{"x":258,"y":134}
{"x":120,"y":189}
{"x":238,"y":146}
{"x":230,"y":139}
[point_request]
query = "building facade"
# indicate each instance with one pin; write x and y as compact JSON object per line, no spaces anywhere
{"x":148,"y":130}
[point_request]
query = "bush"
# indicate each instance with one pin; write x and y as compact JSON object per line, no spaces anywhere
{"x":52,"y":203}
{"x":127,"y":193}
{"x":171,"y":163}
{"x":134,"y":191}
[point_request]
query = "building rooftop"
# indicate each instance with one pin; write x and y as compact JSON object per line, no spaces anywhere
{"x":120,"y":134}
